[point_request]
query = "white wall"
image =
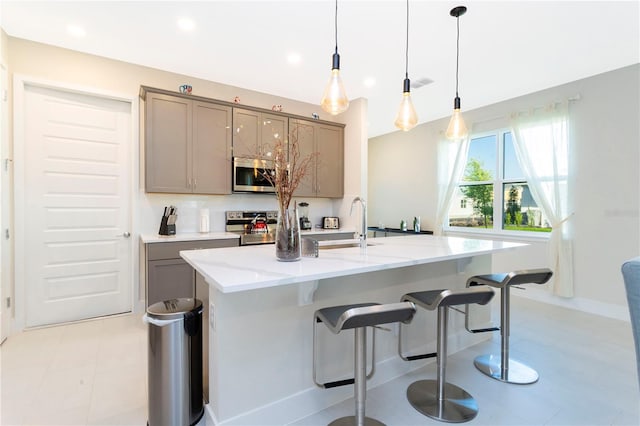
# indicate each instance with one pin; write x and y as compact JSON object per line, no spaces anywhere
{"x":402,"y":172}
{"x":355,"y":163}
{"x":605,"y":150}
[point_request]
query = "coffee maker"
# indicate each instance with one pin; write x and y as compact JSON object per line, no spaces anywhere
{"x":303,"y":212}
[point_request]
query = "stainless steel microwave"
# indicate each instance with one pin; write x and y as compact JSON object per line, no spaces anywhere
{"x":248,"y":175}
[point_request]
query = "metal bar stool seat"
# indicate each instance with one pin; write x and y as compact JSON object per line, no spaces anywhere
{"x":359,"y":317}
{"x":436,"y":398}
{"x":502,"y":367}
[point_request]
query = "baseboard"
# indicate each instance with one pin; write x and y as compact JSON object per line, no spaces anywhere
{"x":590,"y":306}
{"x":313,"y":399}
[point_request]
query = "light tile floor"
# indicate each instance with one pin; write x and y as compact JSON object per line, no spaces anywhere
{"x":94,"y":373}
{"x":87,"y":373}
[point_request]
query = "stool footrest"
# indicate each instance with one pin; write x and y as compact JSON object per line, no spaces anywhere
{"x":423,"y":356}
{"x":483,"y":330}
{"x":338,"y":383}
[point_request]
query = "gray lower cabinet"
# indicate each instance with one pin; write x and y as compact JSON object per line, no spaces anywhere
{"x":169,"y":279}
{"x":168,"y":275}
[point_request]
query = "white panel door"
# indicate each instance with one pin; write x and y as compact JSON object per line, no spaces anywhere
{"x":77,"y":214}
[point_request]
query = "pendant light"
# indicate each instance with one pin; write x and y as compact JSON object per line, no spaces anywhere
{"x":457,"y":129}
{"x":407,"y":117}
{"x":334,"y":100}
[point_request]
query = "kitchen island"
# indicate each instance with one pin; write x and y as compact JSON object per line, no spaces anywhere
{"x":260,"y":318}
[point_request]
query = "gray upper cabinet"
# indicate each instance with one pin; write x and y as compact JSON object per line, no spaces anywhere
{"x":211,"y":148}
{"x":255,"y":133}
{"x":187,"y":145}
{"x":325,"y":178}
{"x":330,"y":164}
{"x":190,"y":142}
{"x":168,"y":133}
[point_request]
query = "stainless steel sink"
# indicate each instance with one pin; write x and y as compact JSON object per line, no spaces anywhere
{"x":312,"y":247}
{"x":337,"y":245}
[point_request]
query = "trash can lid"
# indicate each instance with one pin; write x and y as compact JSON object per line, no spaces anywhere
{"x":174,"y":308}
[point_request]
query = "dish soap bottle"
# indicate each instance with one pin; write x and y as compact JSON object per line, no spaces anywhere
{"x":403,"y":225}
{"x":416,"y":224}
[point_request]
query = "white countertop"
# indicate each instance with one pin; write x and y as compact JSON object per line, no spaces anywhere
{"x":253,"y":267}
{"x":187,"y":236}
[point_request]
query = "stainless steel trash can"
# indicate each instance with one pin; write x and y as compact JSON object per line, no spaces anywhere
{"x":175,"y":362}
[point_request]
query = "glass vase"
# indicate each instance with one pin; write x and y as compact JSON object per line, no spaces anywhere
{"x":288,"y":245}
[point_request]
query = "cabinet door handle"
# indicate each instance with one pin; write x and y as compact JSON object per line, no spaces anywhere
{"x":195,"y":183}
{"x":189,"y":183}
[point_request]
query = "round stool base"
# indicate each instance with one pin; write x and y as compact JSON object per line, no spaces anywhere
{"x":351,"y":421}
{"x":518,"y":373}
{"x":457,"y":407}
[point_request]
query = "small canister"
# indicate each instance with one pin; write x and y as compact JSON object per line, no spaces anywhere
{"x":204,"y":220}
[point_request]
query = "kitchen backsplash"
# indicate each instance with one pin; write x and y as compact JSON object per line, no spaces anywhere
{"x":189,"y":205}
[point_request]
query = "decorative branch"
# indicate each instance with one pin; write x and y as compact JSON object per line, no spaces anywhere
{"x":286,"y":175}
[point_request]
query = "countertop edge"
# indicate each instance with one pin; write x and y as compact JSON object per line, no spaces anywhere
{"x":291,"y":277}
{"x":187,"y":236}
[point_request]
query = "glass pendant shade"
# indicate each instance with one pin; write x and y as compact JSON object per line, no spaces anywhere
{"x":407,"y":117}
{"x":457,"y":129}
{"x":334,"y":100}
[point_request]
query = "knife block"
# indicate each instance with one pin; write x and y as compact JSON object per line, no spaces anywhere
{"x":165,"y":228}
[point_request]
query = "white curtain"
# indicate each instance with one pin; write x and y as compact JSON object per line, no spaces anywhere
{"x":541,"y":143}
{"x":452,"y":159}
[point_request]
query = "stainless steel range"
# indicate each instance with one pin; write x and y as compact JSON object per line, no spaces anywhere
{"x":254,"y":227}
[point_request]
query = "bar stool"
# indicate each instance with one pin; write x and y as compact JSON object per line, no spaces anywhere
{"x":436,"y":398}
{"x":502,"y":367}
{"x":359,"y":317}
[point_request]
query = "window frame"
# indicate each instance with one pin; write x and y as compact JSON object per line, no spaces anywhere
{"x":498,"y":183}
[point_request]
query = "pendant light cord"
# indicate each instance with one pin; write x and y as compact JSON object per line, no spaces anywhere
{"x":335,"y":25}
{"x":406,"y":51}
{"x":457,"y":50}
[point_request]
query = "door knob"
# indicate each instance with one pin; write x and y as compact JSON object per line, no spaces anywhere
{"x":126,"y":234}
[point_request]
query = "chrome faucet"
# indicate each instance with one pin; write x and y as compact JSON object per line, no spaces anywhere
{"x":363,"y":231}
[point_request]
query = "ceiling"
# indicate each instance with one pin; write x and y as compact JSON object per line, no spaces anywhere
{"x":507,"y":48}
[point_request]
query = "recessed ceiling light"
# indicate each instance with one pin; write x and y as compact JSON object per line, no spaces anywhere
{"x":76,"y":31}
{"x":186,"y":24}
{"x":294,"y":58}
{"x":369,"y":82}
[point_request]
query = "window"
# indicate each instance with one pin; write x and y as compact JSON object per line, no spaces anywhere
{"x":494,"y":194}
